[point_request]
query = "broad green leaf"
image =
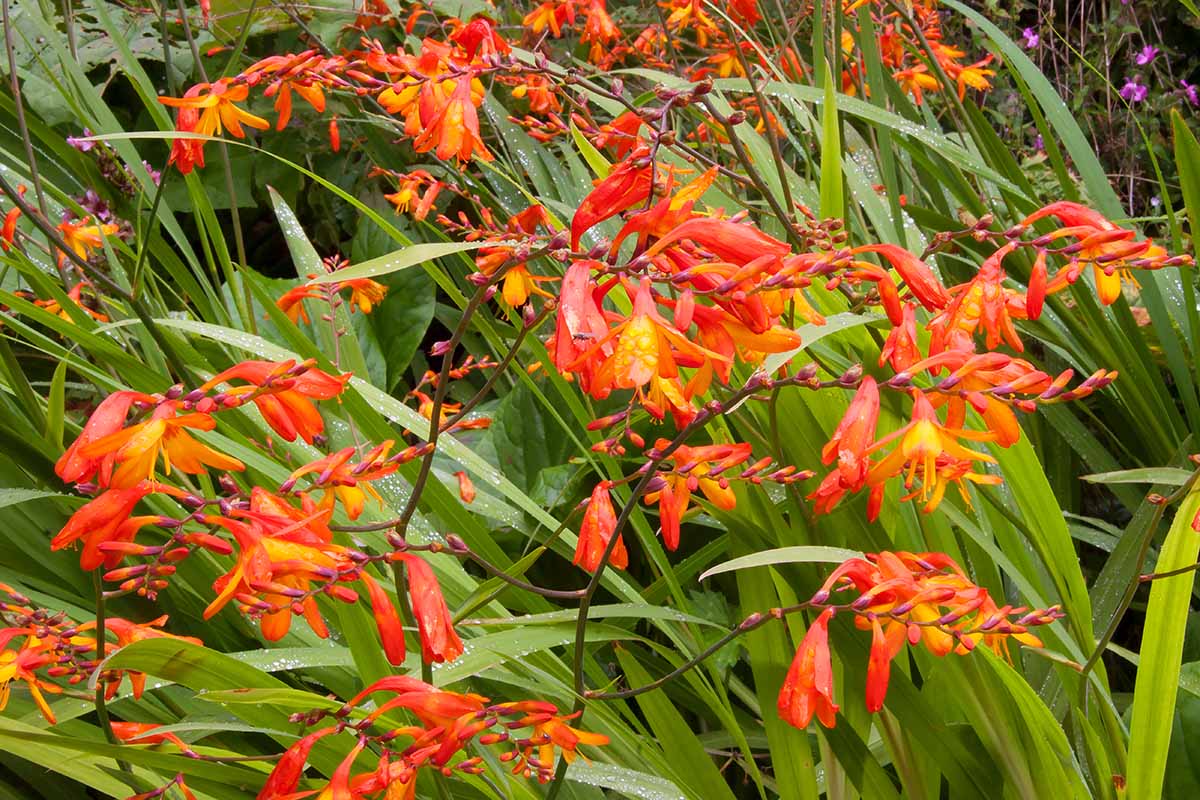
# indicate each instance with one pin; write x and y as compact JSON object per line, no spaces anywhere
{"x":1157,"y":682}
{"x":785,"y":555}
{"x":1168,"y":476}
{"x":406,"y":257}
{"x":695,"y":772}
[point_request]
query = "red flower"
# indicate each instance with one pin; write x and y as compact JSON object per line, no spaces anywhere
{"x":439,"y":641}
{"x":808,"y":688}
{"x":599,"y":523}
{"x":854,"y":435}
{"x":627,"y":184}
{"x":108,"y":418}
{"x":283,"y":393}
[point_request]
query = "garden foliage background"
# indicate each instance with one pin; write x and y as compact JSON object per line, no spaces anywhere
{"x":390,"y":239}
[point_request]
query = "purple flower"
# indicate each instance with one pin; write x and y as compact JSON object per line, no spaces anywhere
{"x":1190,"y":92}
{"x":1134,"y":92}
{"x":155,"y":175}
{"x":1039,"y":143}
{"x":1147,"y":55}
{"x":1032,"y":39}
{"x":79,"y":144}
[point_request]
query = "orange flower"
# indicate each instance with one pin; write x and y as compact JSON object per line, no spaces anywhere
{"x":854,"y":435}
{"x":83,"y":238}
{"x":409,"y":195}
{"x":627,"y":184}
{"x":22,"y":665}
{"x":550,"y":15}
{"x":478,"y":37}
{"x":930,"y":451}
{"x":901,"y":350}
{"x":551,"y":734}
{"x":8,"y":232}
{"x":452,"y":129}
{"x":466,"y":489}
{"x":918,"y":277}
{"x":217,"y":107}
{"x":391,"y":632}
{"x":283,"y":392}
{"x":983,"y":302}
{"x":107,"y":519}
{"x":346,"y":482}
{"x":206,"y":109}
{"x":696,"y":469}
{"x":365,"y":293}
{"x":1110,"y":250}
{"x":137,"y":448}
{"x":646,"y":346}
{"x":808,"y":688}
{"x":439,"y":641}
{"x":108,"y":418}
{"x":921,"y":598}
{"x":129,"y":632}
{"x":599,"y":30}
{"x":285,"y":777}
{"x":143,"y":733}
{"x":274,"y":571}
{"x":599,"y":524}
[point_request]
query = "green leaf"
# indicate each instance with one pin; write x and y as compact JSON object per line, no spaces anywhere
{"x":1187,"y":158}
{"x":1167,"y":476}
{"x":695,"y":771}
{"x":403,"y":258}
{"x":811,"y":334}
{"x":11,"y":497}
{"x":804,"y":554}
{"x":1162,"y":647}
{"x":594,"y":158}
{"x":833,"y":202}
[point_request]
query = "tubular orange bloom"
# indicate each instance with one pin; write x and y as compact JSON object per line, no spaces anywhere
{"x":466,"y":489}
{"x":283,"y":392}
{"x":982,"y":301}
{"x":101,"y":520}
{"x":416,"y":193}
{"x":1110,"y":249}
{"x":349,"y":483}
{"x":599,"y":30}
{"x":550,"y":735}
{"x":22,"y":665}
{"x":143,"y":733}
{"x":917,"y":275}
{"x":137,"y":448}
{"x":599,"y":524}
{"x":108,"y":418}
{"x":808,"y":688}
{"x":217,"y":107}
{"x":924,"y":598}
{"x":900,"y":350}
{"x":129,"y":632}
{"x":83,"y":238}
{"x":478,"y":37}
{"x":626,"y":185}
{"x":8,"y":232}
{"x":285,"y":777}
{"x":365,"y":293}
{"x":292,"y":301}
{"x":696,"y":469}
{"x":929,"y":451}
{"x":646,"y":346}
{"x":391,"y":632}
{"x":439,"y":641}
{"x":579,"y":323}
{"x":452,"y":130}
{"x":854,"y":436}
